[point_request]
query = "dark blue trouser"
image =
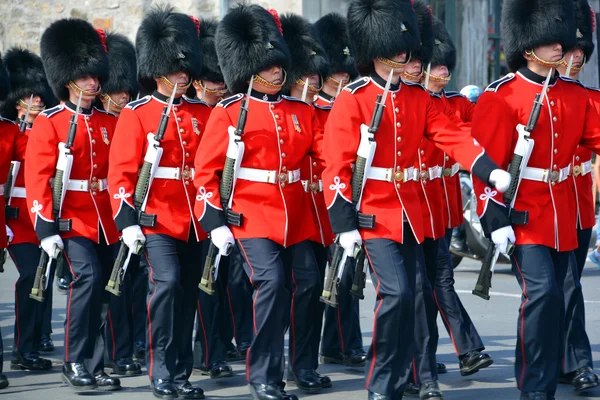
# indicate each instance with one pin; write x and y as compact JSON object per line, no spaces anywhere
{"x":279,"y":276}
{"x":317,"y":308}
{"x":118,"y":324}
{"x":540,"y":272}
{"x":578,"y":352}
{"x":47,"y":308}
{"x":239,"y":298}
{"x":90,"y":264}
{"x":139,"y":292}
{"x":460,"y":328}
{"x":393,"y":268}
{"x":28,"y":312}
{"x":341,"y":329}
{"x":174,"y":273}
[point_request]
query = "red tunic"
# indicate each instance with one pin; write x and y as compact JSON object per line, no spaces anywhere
{"x":409,"y":116}
{"x":567,"y":119}
{"x":280,"y":133}
{"x":171,"y":200}
{"x":10,"y":148}
{"x":89,"y":210}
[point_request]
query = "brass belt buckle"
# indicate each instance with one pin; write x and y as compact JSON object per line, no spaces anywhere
{"x":399,"y":176}
{"x":283,"y":178}
{"x":447,"y":172}
{"x":94,"y":186}
{"x":577,"y":170}
{"x":423,"y":175}
{"x":314,"y":187}
{"x":554,"y":176}
{"x":186,"y":173}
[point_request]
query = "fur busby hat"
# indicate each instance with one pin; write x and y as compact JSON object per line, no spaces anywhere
{"x":444,"y":51}
{"x":167,"y":42}
{"x":122,"y":65}
{"x":249,"y":39}
{"x":585,"y":26}
{"x":332,"y":31}
{"x":70,"y":49}
{"x":27,"y":77}
{"x":425,"y":22}
{"x":306,"y":51}
{"x":527,"y":24}
{"x":4,"y":81}
{"x":381,"y":28}
{"x":211,"y":71}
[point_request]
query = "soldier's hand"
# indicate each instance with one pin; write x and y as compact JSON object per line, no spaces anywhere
{"x":500,"y":179}
{"x":223,"y":239}
{"x":9,"y":234}
{"x":501,"y":237}
{"x":133,"y":236}
{"x":349,"y":240}
{"x":51,"y":244}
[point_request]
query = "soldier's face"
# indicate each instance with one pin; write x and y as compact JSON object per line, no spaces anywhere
{"x":313,"y":80}
{"x":210,"y":85}
{"x":550,"y":53}
{"x":414,"y":67}
{"x":577,"y":55}
{"x":401,"y":58}
{"x":440,"y":70}
{"x":87,"y":83}
{"x":120,"y":98}
{"x":273,"y":75}
{"x":180,"y":78}
{"x":37,"y":105}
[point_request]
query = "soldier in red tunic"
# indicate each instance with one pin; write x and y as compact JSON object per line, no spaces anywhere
{"x":75,"y":62}
{"x":389,"y":218}
{"x":27,"y":78}
{"x":275,"y":224}
{"x":542,"y":221}
{"x":169,"y":54}
{"x":577,"y":359}
{"x":342,"y":338}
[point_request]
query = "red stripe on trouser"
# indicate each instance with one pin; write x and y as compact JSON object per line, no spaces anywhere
{"x":446,"y":321}
{"x":112,"y":335}
{"x":414,"y":368}
{"x":293,"y":325}
{"x":522,"y":333}
{"x":150,"y":318}
{"x":232,"y":316}
{"x":253,"y":308}
{"x":204,"y":334}
{"x":68,"y":306}
{"x":339,"y":318}
{"x":373,"y":341}
{"x":17,"y":325}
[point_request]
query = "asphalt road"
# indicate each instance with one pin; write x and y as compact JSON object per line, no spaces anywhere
{"x":495,"y":320}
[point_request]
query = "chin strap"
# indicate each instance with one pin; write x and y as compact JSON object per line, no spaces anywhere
{"x":262,"y":81}
{"x":311,"y":88}
{"x":73,"y":86}
{"x":573,"y":68}
{"x":437,"y":78}
{"x":394,"y":64}
{"x":172,"y":85}
{"x":547,"y":64}
{"x":110,"y":103}
{"x":215,"y":92}
{"x":32,"y":108}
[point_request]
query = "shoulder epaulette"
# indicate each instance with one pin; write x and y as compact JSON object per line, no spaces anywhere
{"x":51,"y":111}
{"x":354,"y":86}
{"x":494,"y":86}
{"x":104,"y":111}
{"x":290,"y":98}
{"x":7,"y":120}
{"x":326,"y":108}
{"x":593,"y":88}
{"x":135,"y":104}
{"x":230,"y":100}
{"x":454,"y":94}
{"x":564,"y":78}
{"x":414,"y":84}
{"x":194,"y":101}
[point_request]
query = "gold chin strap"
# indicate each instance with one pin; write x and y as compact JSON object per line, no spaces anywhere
{"x":394,"y":64}
{"x":437,"y":78}
{"x":262,"y":81}
{"x":574,"y":68}
{"x":110,"y":102}
{"x":33,"y":108}
{"x":334,"y":81}
{"x":216,"y":92}
{"x":172,"y":85}
{"x":410,"y":77}
{"x":547,"y":64}
{"x":311,"y":88}
{"x":73,"y":86}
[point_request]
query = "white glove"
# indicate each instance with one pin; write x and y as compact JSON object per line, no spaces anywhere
{"x":51,"y":244}
{"x":133,"y":238}
{"x":9,"y":234}
{"x":348,"y":240}
{"x":502,"y":236}
{"x":500,"y":179}
{"x":223,"y":239}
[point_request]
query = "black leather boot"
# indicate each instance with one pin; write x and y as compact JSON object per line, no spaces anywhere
{"x":106,"y":383}
{"x":378,"y":396}
{"x":412,"y":390}
{"x":77,"y":377}
{"x":473,"y":361}
{"x":217,"y":370}
{"x":535,"y":396}
{"x":441,"y":368}
{"x":584,"y":379}
{"x":47,"y":343}
{"x":284,"y":395}
{"x":188,"y":391}
{"x":306,"y":380}
{"x":260,"y":391}
{"x":325,"y":380}
{"x":430,"y":390}
{"x":3,"y":381}
{"x":30,"y":361}
{"x":163,"y":389}
{"x":127,"y":367}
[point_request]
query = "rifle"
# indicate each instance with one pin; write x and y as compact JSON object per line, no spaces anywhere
{"x":233,"y":160}
{"x":365,"y":154}
{"x":516,"y":167}
{"x":140,"y":198}
{"x":59,"y":188}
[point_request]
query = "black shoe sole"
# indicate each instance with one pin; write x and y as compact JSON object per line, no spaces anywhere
{"x":437,"y":396}
{"x":585,"y":387}
{"x":475,"y":368}
{"x":164,"y":396}
{"x":86,"y":388}
{"x":4,"y":385}
{"x":224,"y":374}
{"x":191,"y":397}
{"x":113,"y":388}
{"x":326,"y":386}
{"x":126,"y":373}
{"x":332,"y":360}
{"x":292,"y":383}
{"x":21,"y":367}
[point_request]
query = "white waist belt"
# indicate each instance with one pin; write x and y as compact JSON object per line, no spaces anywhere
{"x":267,"y":176}
{"x":546,"y":175}
{"x":83,"y":185}
{"x":174,"y":173}
{"x":451,"y":171}
{"x":2,"y":189}
{"x":391,"y":175}
{"x":432,"y":173}
{"x":19,"y":193}
{"x":315,"y":187}
{"x":582,"y":169}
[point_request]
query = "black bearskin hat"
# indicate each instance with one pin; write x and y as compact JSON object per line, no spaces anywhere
{"x":4,"y":82}
{"x":584,"y":25}
{"x":381,"y":28}
{"x":211,"y":70}
{"x":27,"y":77}
{"x":70,"y":49}
{"x":425,"y":21}
{"x":332,"y":31}
{"x":167,"y":42}
{"x":444,"y":52}
{"x":527,"y":24}
{"x":249,"y":39}
{"x":307,"y":53}
{"x":122,"y":65}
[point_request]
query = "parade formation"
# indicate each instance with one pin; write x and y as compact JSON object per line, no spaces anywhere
{"x":244,"y":176}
